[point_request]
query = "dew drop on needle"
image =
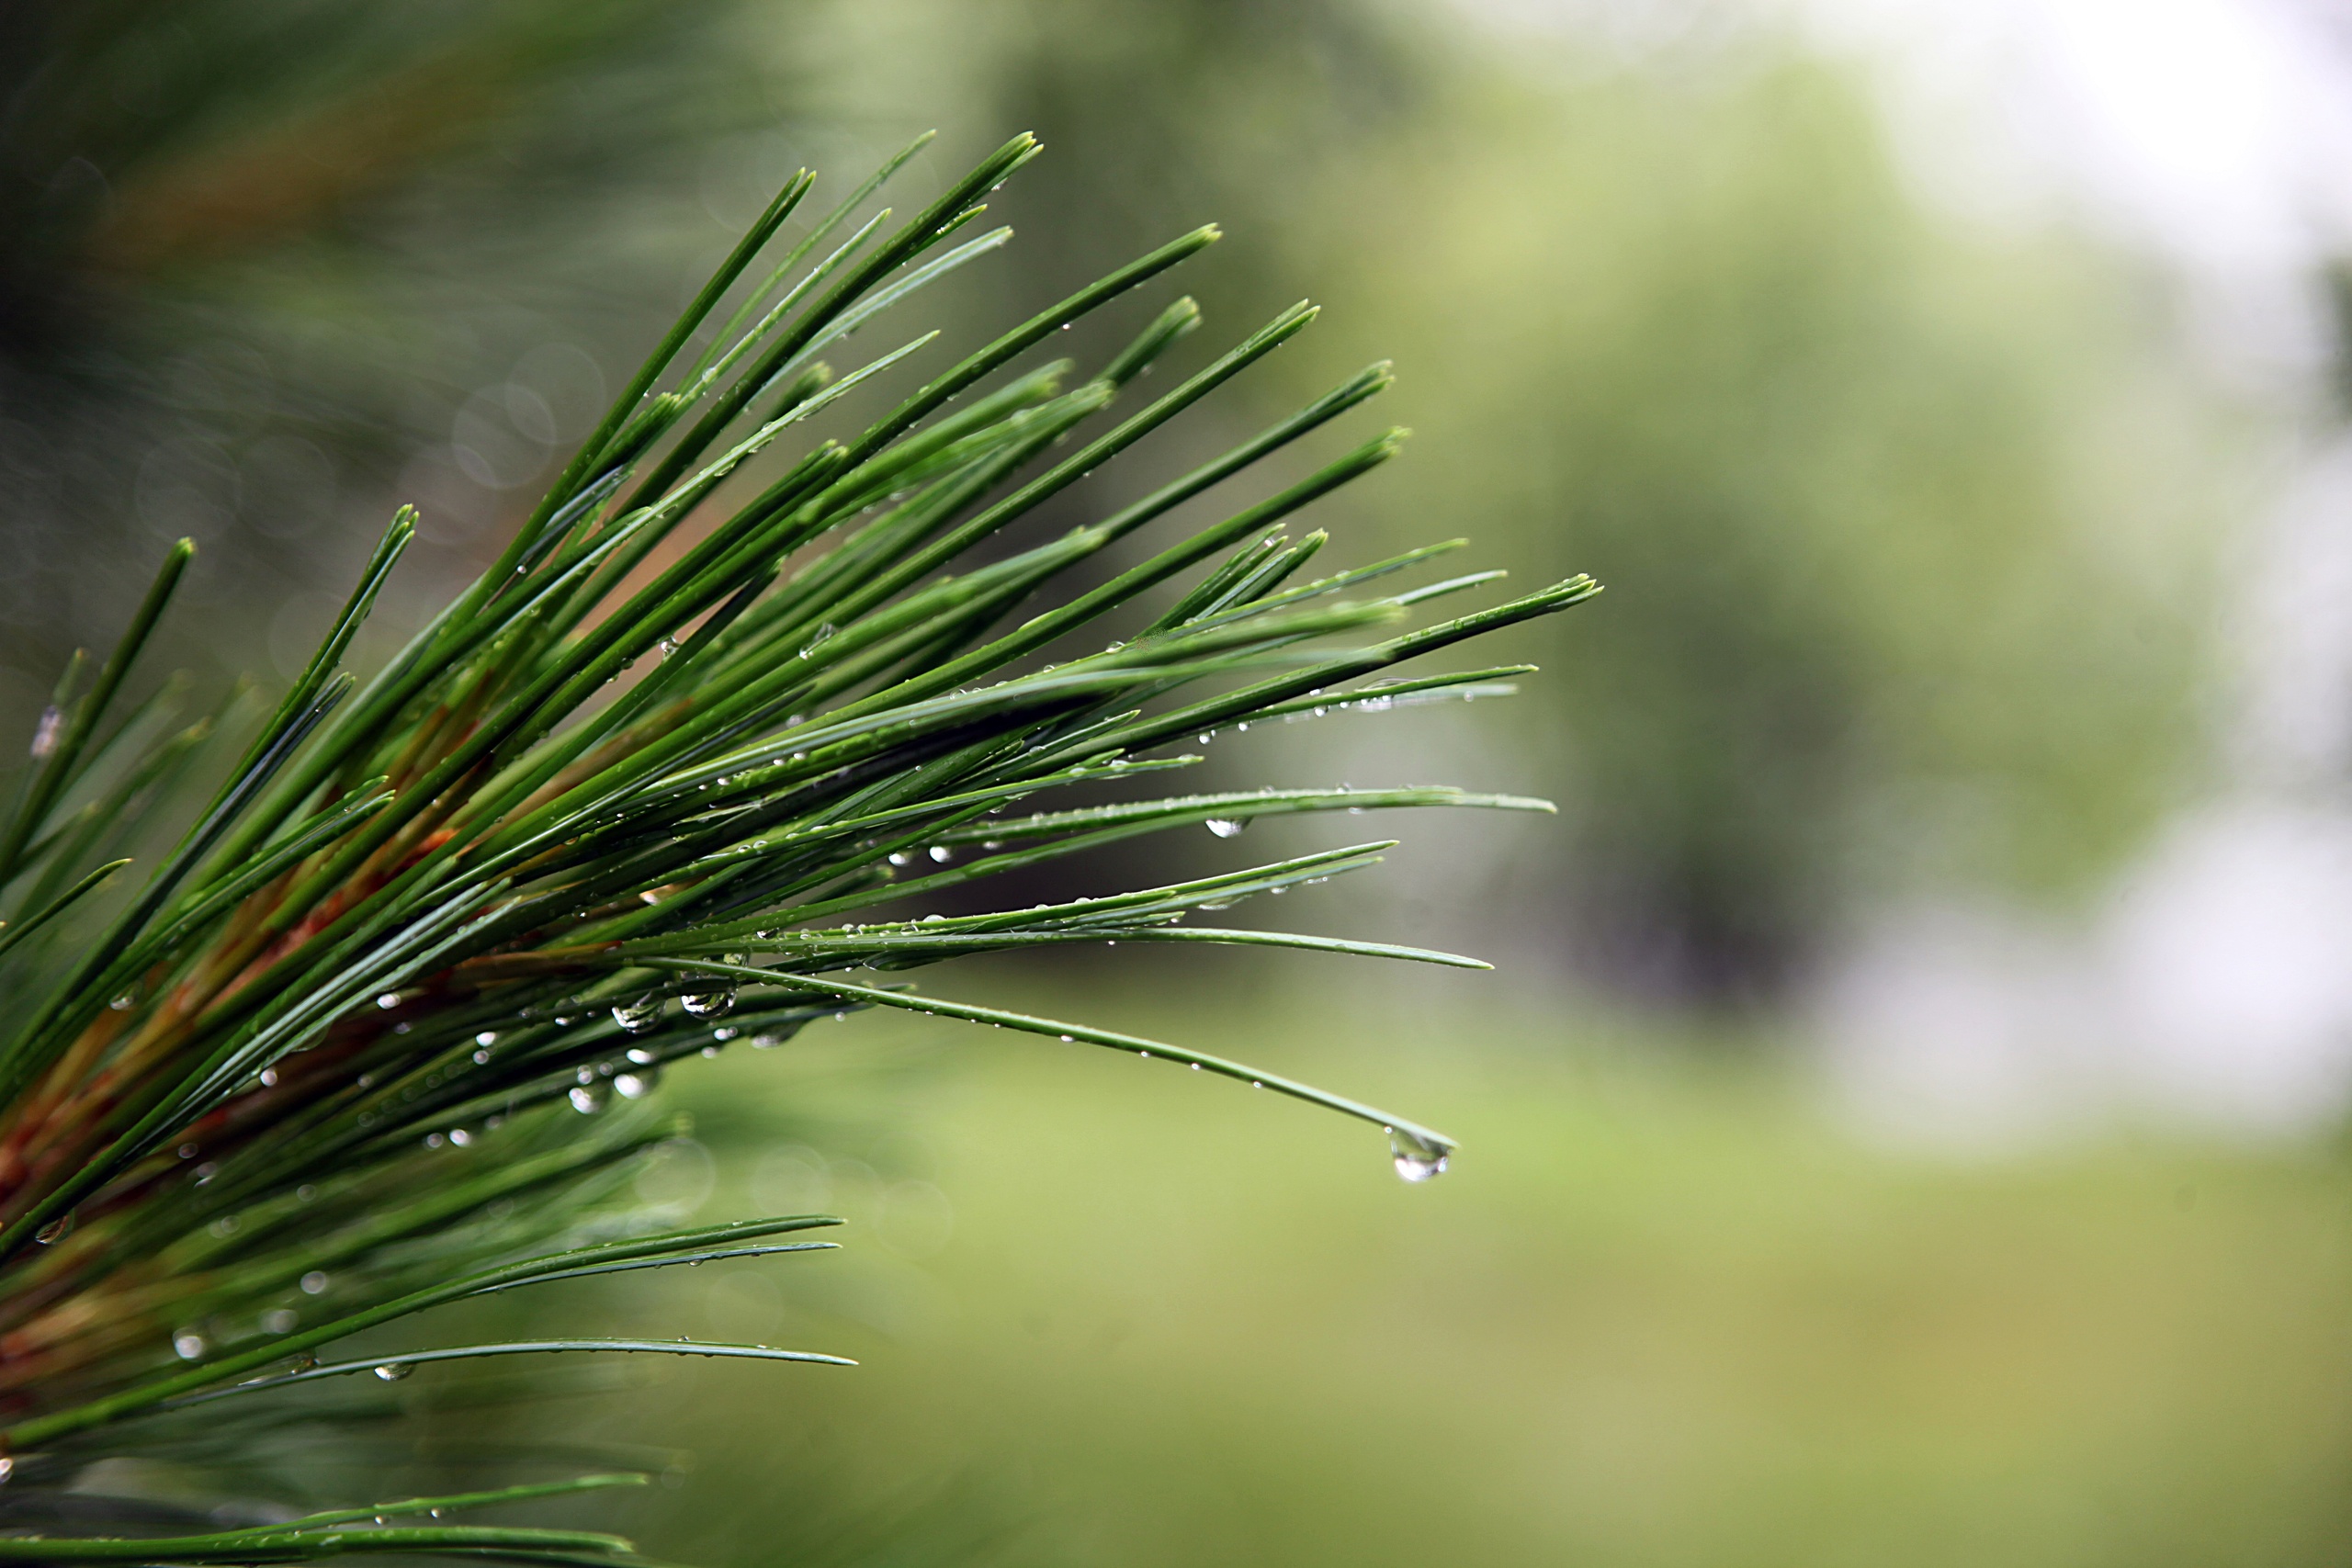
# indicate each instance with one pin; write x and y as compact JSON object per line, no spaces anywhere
{"x":1416,"y":1159}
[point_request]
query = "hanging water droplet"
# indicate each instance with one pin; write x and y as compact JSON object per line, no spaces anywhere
{"x":942,"y":853}
{"x":720,"y":1001}
{"x":281,"y":1320}
{"x":640,"y":1055}
{"x":45,"y":733}
{"x":482,"y":1058}
{"x":388,"y":999}
{"x":122,"y":1003}
{"x":1219,"y":903}
{"x":666,"y":648}
{"x":188,"y":1345}
{"x":460,"y":1138}
{"x":1206,"y":736}
{"x":1417,"y":1158}
{"x":900,"y":857}
{"x":487,"y":1037}
{"x":637,"y":1085}
{"x":642,"y":1015}
{"x":1227,"y":827}
{"x":57,"y":1230}
{"x":710,"y":1051}
{"x":725,"y":1032}
{"x":393,"y":1372}
{"x":587,"y":1099}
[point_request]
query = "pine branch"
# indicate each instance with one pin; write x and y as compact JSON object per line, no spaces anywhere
{"x":317,"y":1069}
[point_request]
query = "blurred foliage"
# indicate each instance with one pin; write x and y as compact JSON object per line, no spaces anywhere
{"x":265,"y":255}
{"x":1903,"y":523}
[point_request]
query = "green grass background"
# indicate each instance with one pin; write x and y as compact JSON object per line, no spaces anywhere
{"x":1665,"y":1310}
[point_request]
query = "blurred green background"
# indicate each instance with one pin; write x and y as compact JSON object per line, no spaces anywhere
{"x":1912,"y":524}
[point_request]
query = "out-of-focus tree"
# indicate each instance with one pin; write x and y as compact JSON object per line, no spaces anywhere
{"x":1903,"y":523}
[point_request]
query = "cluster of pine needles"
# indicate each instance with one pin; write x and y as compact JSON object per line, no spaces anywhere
{"x":656,"y":785}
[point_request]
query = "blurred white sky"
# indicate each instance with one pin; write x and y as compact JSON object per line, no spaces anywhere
{"x":2217,"y":134}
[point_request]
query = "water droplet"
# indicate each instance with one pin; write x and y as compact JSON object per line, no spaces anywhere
{"x":281,"y":1320}
{"x":46,"y":733}
{"x":636,"y":1086}
{"x":314,"y":1284}
{"x":900,"y":857}
{"x":460,"y":1138}
{"x":120,"y":1004}
{"x":1206,"y":736}
{"x":642,"y":1015}
{"x":1219,"y":903}
{"x":666,"y":648}
{"x":725,"y":1032}
{"x":640,"y":1055}
{"x":481,"y":1058}
{"x":188,"y":1345}
{"x":388,"y":999}
{"x":487,"y":1037}
{"x":393,"y":1372}
{"x":8,"y":1468}
{"x":1417,"y":1158}
{"x":1227,"y":827}
{"x":720,"y":1001}
{"x":710,"y":1051}
{"x":435,"y":1140}
{"x":301,"y":1361}
{"x":942,"y":853}
{"x":587,"y":1099}
{"x":269,"y":1078}
{"x":57,"y":1230}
